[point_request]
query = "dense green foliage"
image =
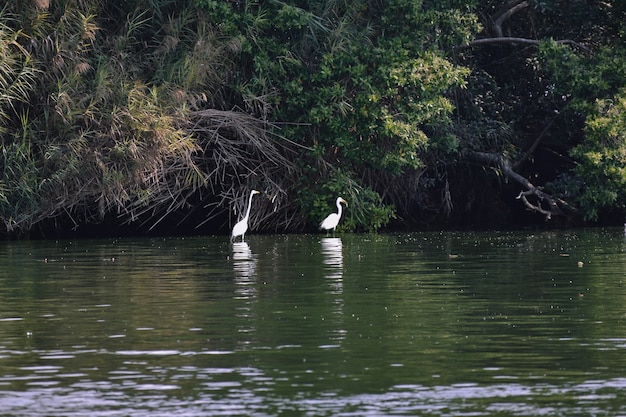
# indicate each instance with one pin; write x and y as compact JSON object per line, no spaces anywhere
{"x":535,"y":103}
{"x":602,"y":156}
{"x":150,"y":110}
{"x":361,"y":83}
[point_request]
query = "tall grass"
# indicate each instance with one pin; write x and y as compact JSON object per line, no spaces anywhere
{"x":122,"y":109}
{"x":18,"y":169}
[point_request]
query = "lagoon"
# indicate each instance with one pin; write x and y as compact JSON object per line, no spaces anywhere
{"x":515,"y":323}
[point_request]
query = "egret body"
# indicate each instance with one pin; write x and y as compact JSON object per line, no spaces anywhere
{"x":241,"y":227}
{"x":332,"y":220}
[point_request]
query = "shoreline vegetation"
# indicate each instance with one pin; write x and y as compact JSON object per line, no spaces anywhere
{"x":160,"y":116}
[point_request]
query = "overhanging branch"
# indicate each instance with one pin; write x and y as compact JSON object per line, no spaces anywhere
{"x":542,"y":202}
{"x":494,"y":24}
{"x":517,"y":41}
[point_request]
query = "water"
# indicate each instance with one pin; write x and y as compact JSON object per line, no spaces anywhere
{"x":429,"y":324}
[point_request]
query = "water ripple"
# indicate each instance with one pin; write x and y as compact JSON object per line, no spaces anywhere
{"x":221,"y":398}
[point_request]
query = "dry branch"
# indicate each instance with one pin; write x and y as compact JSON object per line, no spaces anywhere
{"x":514,"y":40}
{"x":241,"y":153}
{"x":496,"y":21}
{"x":542,"y":203}
{"x":504,"y":13}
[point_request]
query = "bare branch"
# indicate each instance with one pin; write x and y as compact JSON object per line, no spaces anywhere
{"x":535,"y":144}
{"x":240,"y":153}
{"x":545,"y":204}
{"x":499,"y":17}
{"x":523,"y":41}
{"x":505,"y":13}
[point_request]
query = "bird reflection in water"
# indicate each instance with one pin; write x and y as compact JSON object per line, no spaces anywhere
{"x":332,"y":253}
{"x":245,"y":289}
{"x":332,"y":250}
{"x":244,"y":267}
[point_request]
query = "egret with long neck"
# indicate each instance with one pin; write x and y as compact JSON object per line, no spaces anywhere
{"x":241,"y":227}
{"x":332,"y":220}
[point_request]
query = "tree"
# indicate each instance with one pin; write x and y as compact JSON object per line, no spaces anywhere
{"x":363,"y":84}
{"x":530,"y":94}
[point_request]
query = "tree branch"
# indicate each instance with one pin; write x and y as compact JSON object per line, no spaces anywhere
{"x":514,"y":40}
{"x":497,"y":20}
{"x":545,"y":204}
{"x":534,"y":146}
{"x":505,"y":13}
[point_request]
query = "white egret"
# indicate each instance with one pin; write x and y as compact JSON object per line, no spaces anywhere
{"x":332,"y":220}
{"x":241,"y":227}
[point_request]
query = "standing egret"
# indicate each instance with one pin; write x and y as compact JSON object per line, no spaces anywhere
{"x":332,"y":220}
{"x":241,"y":227}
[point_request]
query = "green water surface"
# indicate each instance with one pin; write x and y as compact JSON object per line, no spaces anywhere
{"x":424,"y":324}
